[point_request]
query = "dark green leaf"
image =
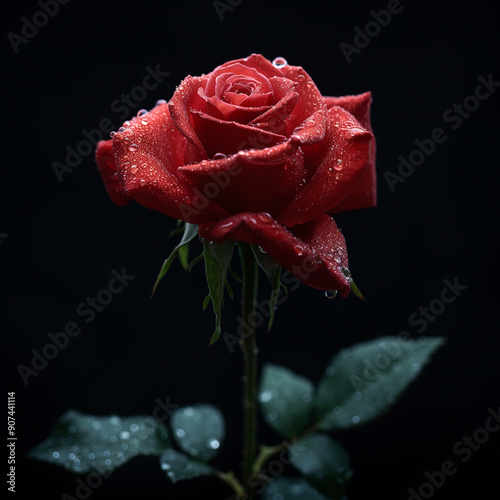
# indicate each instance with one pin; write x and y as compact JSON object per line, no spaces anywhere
{"x":199,"y":430}
{"x":325,"y":464}
{"x":190,"y":231}
{"x":217,"y":260}
{"x":286,"y":400}
{"x":362,"y":382}
{"x":86,"y":443}
{"x":179,"y":466}
{"x":288,"y":488}
{"x":273,"y":272}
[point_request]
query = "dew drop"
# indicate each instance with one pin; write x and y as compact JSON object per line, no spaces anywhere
{"x":133,"y":147}
{"x":213,"y":443}
{"x":142,"y":112}
{"x":56,"y":454}
{"x":161,"y":101}
{"x":71,"y":456}
{"x":265,"y":217}
{"x":355,"y":419}
{"x":135,"y":427}
{"x":180,"y":433}
{"x":280,"y":62}
{"x":121,"y":129}
{"x":133,"y":168}
{"x":124,"y":434}
{"x":142,"y":182}
{"x":330,"y":294}
{"x":338,"y":166}
{"x":112,"y":134}
{"x":219,"y":156}
{"x":265,"y":396}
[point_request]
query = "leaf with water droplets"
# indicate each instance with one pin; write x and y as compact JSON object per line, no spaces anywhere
{"x":324,"y":462}
{"x":199,"y":430}
{"x":285,"y":399}
{"x":217,"y":262}
{"x":87,"y":443}
{"x":362,"y":382}
{"x":179,"y":466}
{"x":291,"y":488}
{"x":190,"y":231}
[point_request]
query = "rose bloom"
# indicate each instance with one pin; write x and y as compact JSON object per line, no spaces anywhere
{"x":252,"y":152}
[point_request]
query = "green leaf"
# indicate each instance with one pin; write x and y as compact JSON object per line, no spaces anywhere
{"x":85,"y":443}
{"x":199,"y":430}
{"x":179,"y":466}
{"x":286,"y":400}
{"x":273,"y":272}
{"x":190,"y":231}
{"x":362,"y":382}
{"x":217,"y":260}
{"x":288,"y":488}
{"x":325,"y":464}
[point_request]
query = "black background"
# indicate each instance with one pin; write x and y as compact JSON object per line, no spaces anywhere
{"x":64,"y":238}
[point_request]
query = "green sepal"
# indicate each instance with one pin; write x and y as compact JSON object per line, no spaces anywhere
{"x":190,"y":231}
{"x":273,"y":272}
{"x":217,"y":262}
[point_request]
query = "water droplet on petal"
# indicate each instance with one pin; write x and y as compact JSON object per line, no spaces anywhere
{"x":142,"y":182}
{"x":338,"y":166}
{"x":124,"y":434}
{"x":265,"y":217}
{"x":142,"y":112}
{"x":279,"y":62}
{"x":180,"y":432}
{"x":112,"y":134}
{"x":330,"y":294}
{"x":133,"y":147}
{"x":56,"y":454}
{"x":219,"y":156}
{"x":161,"y":101}
{"x":355,"y":419}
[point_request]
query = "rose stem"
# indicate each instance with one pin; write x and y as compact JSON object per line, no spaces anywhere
{"x":249,"y":346}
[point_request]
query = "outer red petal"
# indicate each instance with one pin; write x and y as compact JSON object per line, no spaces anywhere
{"x":364,"y":194}
{"x":186,"y":97}
{"x":148,"y":153}
{"x":265,"y":180}
{"x":314,"y":252}
{"x":343,"y":165}
{"x":105,"y":160}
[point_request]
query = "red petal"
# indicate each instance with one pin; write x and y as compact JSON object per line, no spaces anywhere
{"x":220,"y":109}
{"x":186,"y":97}
{"x":220,"y":136}
{"x":346,"y":158}
{"x":358,"y":105}
{"x":148,"y":153}
{"x":105,"y":160}
{"x":314,"y":252}
{"x":364,"y":193}
{"x":265,"y":180}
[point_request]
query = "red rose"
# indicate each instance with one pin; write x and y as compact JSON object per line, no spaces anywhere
{"x":252,"y":152}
